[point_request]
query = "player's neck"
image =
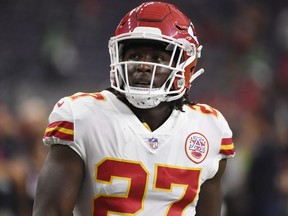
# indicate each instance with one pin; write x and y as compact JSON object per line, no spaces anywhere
{"x":153,"y":117}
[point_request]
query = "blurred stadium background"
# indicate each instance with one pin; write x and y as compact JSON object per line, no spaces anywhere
{"x":53,"y":48}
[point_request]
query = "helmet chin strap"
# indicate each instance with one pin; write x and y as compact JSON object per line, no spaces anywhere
{"x":148,"y":99}
{"x":145,"y":100}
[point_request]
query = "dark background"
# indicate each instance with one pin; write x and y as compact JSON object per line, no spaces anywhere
{"x":53,"y":48}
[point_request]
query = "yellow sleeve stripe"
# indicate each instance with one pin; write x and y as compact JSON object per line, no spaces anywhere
{"x":227,"y":147}
{"x":60,"y":129}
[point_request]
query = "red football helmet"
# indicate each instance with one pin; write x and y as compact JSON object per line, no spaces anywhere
{"x":159,"y":22}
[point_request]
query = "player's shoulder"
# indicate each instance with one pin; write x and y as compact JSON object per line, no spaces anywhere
{"x":204,"y":110}
{"x":79,"y":102}
{"x":81,"y":98}
{"x":86,"y":97}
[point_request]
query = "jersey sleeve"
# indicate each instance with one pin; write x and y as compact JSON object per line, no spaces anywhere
{"x":227,"y":148}
{"x":60,"y":129}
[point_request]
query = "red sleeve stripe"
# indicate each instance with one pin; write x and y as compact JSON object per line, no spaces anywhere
{"x":227,"y":147}
{"x":226,"y":141}
{"x":65,"y":124}
{"x":61,"y":129}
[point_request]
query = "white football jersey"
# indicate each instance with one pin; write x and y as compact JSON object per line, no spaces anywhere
{"x":130,"y":170}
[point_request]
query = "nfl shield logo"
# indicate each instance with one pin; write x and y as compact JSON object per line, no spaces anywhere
{"x":153,"y":143}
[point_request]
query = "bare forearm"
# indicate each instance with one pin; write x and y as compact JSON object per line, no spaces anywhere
{"x":210,"y":198}
{"x":59,"y":183}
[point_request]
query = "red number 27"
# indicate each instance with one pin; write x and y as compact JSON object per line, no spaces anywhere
{"x":131,"y":201}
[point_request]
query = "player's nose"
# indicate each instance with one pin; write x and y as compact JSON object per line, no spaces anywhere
{"x":143,"y":67}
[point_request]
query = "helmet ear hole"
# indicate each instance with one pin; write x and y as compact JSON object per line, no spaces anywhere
{"x":177,"y":83}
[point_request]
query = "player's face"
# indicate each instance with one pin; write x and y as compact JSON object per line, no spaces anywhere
{"x":140,"y":75}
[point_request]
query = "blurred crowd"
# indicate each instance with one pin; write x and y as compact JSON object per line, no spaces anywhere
{"x":51,"y":48}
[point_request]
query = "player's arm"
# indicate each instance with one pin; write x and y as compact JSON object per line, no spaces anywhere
{"x":210,"y":198}
{"x":59,"y":182}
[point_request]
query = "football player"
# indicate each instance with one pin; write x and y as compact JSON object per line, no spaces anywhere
{"x":139,"y":147}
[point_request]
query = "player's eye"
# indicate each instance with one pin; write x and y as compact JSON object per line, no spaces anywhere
{"x":134,"y":57}
{"x":160,"y":59}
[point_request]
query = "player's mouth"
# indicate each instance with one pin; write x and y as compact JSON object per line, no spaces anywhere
{"x":144,"y":83}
